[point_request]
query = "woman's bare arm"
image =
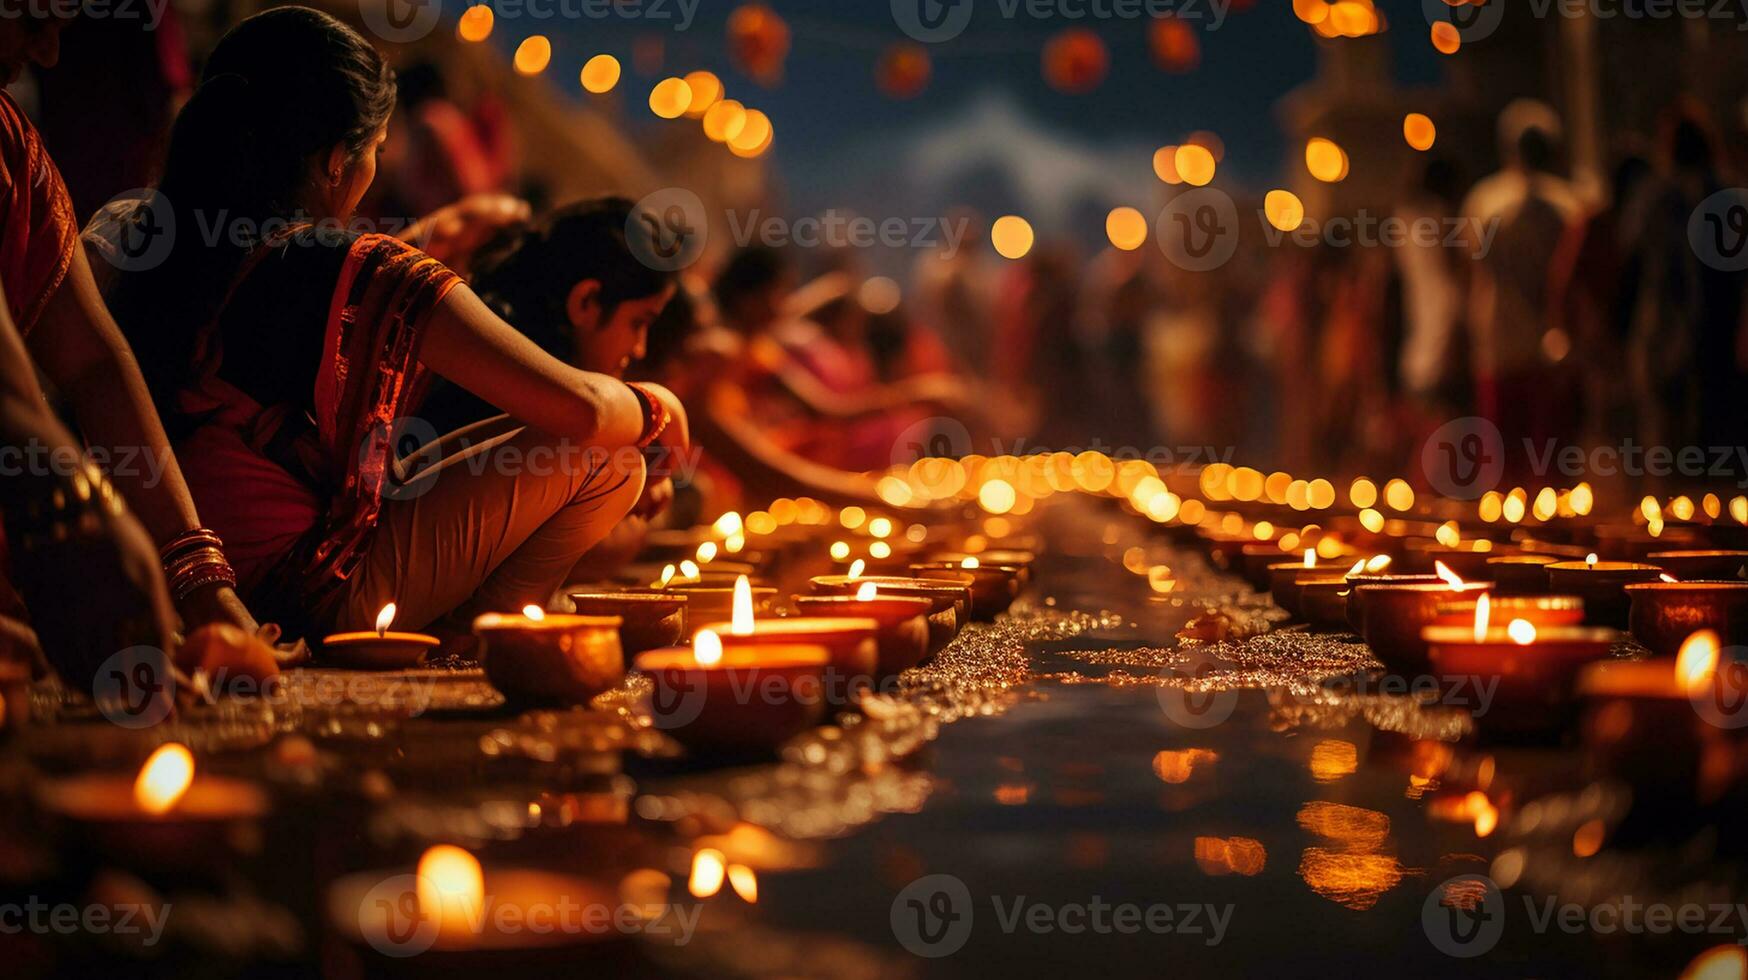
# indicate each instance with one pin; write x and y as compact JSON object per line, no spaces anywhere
{"x":470,"y":345}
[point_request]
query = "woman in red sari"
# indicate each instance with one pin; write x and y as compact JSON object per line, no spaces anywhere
{"x":292,"y":355}
{"x":57,"y":324}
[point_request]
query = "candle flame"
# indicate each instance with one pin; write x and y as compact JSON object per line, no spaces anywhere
{"x":1522,"y":632}
{"x":1448,"y":535}
{"x":385,"y":619}
{"x":689,"y":569}
{"x":1310,"y":557}
{"x":734,"y":543}
{"x":707,"y":648}
{"x":1378,"y":563}
{"x":1590,"y":559}
{"x":1483,"y":612}
{"x":742,"y":624}
{"x":164,"y":779}
{"x":866,"y":591}
{"x":451,"y":887}
{"x":667,"y":576}
{"x":1358,"y":567}
{"x":744,"y":882}
{"x":534,"y":612}
{"x":1665,"y":576}
{"x":969,"y":562}
{"x":1451,"y":578}
{"x":857,"y":567}
{"x":708,"y":867}
{"x":1697,"y":662}
{"x":706,"y":552}
{"x":729,"y":524}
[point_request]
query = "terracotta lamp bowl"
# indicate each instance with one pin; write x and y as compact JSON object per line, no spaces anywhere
{"x":1665,"y":614}
{"x":560,"y":660}
{"x":648,"y":619}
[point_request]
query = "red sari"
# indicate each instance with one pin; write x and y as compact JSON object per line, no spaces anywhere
{"x":37,"y":229}
{"x":297,"y":502}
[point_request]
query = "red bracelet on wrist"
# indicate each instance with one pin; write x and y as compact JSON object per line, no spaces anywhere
{"x":656,"y":416}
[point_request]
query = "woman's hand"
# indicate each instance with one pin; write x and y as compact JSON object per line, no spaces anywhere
{"x":217,"y":604}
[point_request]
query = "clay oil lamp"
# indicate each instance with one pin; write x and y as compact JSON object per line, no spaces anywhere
{"x":1006,"y":557}
{"x":903,"y":637}
{"x":852,"y":642}
{"x":1521,"y":574}
{"x":1286,"y":578}
{"x":1394,"y":615}
{"x":993,"y":587}
{"x":1668,"y":727}
{"x":453,"y":916}
{"x":166,"y":817}
{"x":1531,"y":671}
{"x":751,"y":697}
{"x":541,"y":658}
{"x":1665,"y":613}
{"x":1375,"y":570}
{"x":715,"y":603}
{"x":1544,"y":612}
{"x":1715,"y":566}
{"x":380,"y":649}
{"x":1602,"y":586}
{"x":949,"y":609}
{"x":648,"y":619}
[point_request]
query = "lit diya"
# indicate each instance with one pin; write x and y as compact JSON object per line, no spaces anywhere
{"x":1717,"y":566}
{"x":378,"y":650}
{"x":550,"y":658}
{"x":1288,"y":577}
{"x":1529,"y":671}
{"x":165,"y":817}
{"x":851,"y":641}
{"x":454,"y":915}
{"x":1394,"y":614}
{"x":1521,"y":574}
{"x":1667,"y":726}
{"x":1664,"y":614}
{"x":1012,"y":557}
{"x":1602,"y":586}
{"x":903,"y":637}
{"x":714,"y":698}
{"x":715,"y":603}
{"x":993,"y":587}
{"x":648,"y":618}
{"x":950,"y":603}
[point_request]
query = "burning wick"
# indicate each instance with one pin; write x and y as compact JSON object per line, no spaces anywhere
{"x":1451,"y":578}
{"x":667,"y":576}
{"x":451,"y":888}
{"x":384,"y":619}
{"x":867,"y":591}
{"x":1378,"y":563}
{"x":164,"y":779}
{"x":1665,"y":576}
{"x":707,"y":648}
{"x":857,"y":567}
{"x":742,"y":623}
{"x":1590,"y":559}
{"x":969,"y":562}
{"x":1358,"y":567}
{"x":1310,"y":557}
{"x":1483,"y":612}
{"x":534,"y":612}
{"x":706,"y":552}
{"x":1522,"y":632}
{"x":689,"y":569}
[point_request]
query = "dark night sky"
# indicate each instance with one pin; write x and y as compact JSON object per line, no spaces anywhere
{"x":1017,"y":144}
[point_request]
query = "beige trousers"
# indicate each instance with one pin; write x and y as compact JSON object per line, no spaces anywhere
{"x":487,"y":519}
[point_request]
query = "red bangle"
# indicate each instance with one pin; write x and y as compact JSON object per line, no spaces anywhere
{"x":656,"y":416}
